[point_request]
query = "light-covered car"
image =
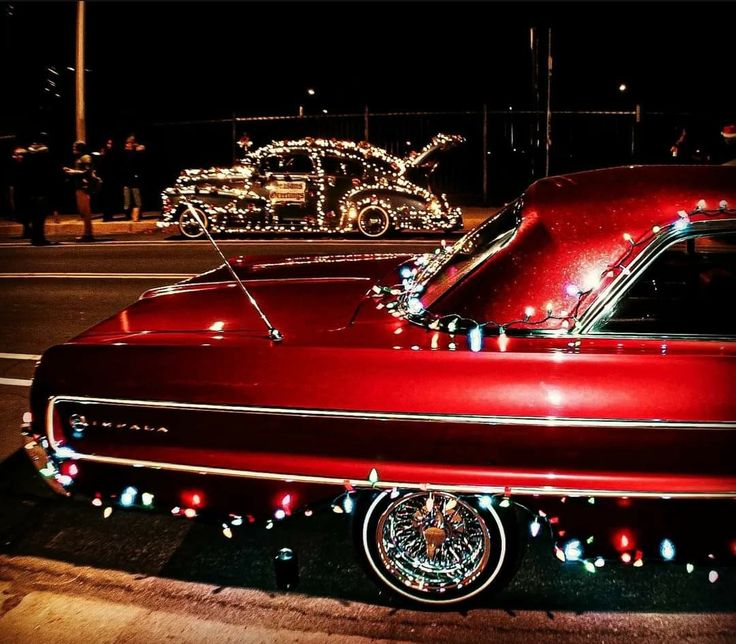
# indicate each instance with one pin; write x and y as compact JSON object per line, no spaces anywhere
{"x":315,"y":185}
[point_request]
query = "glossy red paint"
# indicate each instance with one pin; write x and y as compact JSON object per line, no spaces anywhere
{"x":551,"y":414}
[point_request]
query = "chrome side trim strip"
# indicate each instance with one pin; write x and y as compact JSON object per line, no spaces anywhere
{"x":544,"y":421}
{"x":546,"y":490}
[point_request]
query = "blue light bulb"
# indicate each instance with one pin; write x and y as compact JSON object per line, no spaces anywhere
{"x":667,"y":550}
{"x":475,"y":337}
{"x":573,"y":550}
{"x":127,"y":498}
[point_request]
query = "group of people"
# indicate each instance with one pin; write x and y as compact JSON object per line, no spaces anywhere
{"x":112,"y":177}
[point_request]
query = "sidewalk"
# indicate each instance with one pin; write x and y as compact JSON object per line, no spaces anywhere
{"x":72,"y":225}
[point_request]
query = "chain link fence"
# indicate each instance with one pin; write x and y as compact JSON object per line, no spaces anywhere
{"x":505,"y":150}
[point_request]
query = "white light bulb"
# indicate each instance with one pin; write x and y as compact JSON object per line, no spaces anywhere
{"x":414,"y":305}
{"x":534,"y":527}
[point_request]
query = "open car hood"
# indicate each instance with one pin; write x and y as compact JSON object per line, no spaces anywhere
{"x":438,"y":142}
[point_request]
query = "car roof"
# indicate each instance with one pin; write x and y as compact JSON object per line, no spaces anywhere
{"x":629,"y":198}
{"x":360,"y":150}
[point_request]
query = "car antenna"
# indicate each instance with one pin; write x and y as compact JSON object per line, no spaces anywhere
{"x":273,"y":333}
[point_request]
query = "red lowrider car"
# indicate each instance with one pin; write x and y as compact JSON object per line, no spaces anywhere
{"x":570,"y":363}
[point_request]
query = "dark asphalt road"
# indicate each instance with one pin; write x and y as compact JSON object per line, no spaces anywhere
{"x":158,"y":255}
{"x":40,"y":311}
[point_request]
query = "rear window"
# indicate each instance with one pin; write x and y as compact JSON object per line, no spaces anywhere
{"x":341,"y":167}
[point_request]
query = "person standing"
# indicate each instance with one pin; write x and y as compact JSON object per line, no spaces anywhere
{"x":727,"y":152}
{"x":82,"y":174}
{"x":17,"y":190}
{"x":132,"y":177}
{"x":108,"y":169}
{"x":681,"y":150}
{"x":35,"y":190}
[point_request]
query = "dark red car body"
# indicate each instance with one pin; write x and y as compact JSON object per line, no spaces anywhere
{"x":361,"y":394}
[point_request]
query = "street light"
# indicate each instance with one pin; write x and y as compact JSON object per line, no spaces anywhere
{"x":622,"y":87}
{"x":310,"y":92}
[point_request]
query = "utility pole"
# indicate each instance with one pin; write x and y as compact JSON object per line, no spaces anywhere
{"x":536,"y":163}
{"x":485,"y":153}
{"x":81,"y":120}
{"x":548,"y":137}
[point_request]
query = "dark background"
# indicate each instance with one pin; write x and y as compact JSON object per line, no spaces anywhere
{"x":152,"y":63}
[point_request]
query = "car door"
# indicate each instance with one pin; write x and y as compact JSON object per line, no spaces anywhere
{"x":665,"y":341}
{"x":341,"y":174}
{"x":293,"y":187}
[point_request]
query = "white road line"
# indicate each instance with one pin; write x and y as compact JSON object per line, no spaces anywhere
{"x":15,"y":382}
{"x":19,"y":356}
{"x":367,"y":245}
{"x":99,"y":276}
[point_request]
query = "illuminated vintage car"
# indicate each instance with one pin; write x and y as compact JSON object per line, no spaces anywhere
{"x":315,"y":185}
{"x":568,"y":365}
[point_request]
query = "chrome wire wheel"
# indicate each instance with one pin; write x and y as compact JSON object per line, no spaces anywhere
{"x":373,"y":222}
{"x":433,"y":547}
{"x":189,"y":222}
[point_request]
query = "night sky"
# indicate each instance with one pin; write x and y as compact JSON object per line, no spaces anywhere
{"x":154,"y":65}
{"x":174,"y":61}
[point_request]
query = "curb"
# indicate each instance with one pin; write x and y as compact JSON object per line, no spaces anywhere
{"x":73,"y":225}
{"x":15,"y":230}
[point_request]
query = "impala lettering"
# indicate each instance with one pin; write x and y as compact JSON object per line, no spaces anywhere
{"x":80,"y":424}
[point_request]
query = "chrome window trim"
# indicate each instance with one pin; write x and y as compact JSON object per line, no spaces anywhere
{"x":576,"y":335}
{"x":655,"y":337}
{"x":610,"y":297}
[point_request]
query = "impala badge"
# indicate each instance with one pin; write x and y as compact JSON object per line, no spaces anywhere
{"x":79,"y":425}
